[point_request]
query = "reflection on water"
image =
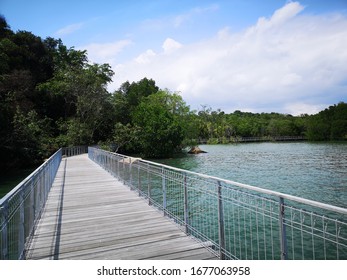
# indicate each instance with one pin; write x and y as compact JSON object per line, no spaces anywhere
{"x":316,"y":171}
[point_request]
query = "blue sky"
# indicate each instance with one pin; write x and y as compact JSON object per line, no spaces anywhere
{"x":249,"y":55}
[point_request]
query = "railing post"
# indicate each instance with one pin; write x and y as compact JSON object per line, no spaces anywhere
{"x":139,"y":178}
{"x":21,"y":233}
{"x":164,"y":190}
{"x":131,"y":174}
{"x":148,"y":186}
{"x":114,"y":165}
{"x":4,"y":231}
{"x":32,"y":201}
{"x":38,"y":194}
{"x":186,"y":209}
{"x":124,"y":172}
{"x":118,"y":170}
{"x":45,"y":181}
{"x":221,"y":223}
{"x":283,"y":235}
{"x":43,"y":189}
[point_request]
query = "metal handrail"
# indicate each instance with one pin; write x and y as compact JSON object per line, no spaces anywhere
{"x":238,"y":221}
{"x":256,"y":189}
{"x":74,"y":150}
{"x":21,"y":208}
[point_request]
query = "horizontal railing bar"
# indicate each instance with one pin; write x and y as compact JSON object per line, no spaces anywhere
{"x":250,"y":187}
{"x":34,"y":173}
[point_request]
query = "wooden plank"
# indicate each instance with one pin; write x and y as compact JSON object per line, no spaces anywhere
{"x":91,"y":215}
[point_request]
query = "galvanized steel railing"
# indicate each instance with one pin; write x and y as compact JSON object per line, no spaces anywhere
{"x":234,"y":220}
{"x":22,"y":206}
{"x":74,"y":150}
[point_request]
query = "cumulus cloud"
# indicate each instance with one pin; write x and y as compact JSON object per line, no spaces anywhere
{"x":145,"y":57}
{"x":280,"y":17}
{"x":299,"y":108}
{"x":171,"y":45}
{"x":289,"y":63}
{"x":106,"y":52}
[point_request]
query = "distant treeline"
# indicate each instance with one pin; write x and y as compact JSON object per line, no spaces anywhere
{"x":51,"y":96}
{"x":330,"y":124}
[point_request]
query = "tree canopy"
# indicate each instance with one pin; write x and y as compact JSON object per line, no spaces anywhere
{"x":161,"y":119}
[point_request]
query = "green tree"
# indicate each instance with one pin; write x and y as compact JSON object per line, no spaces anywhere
{"x":5,"y":30}
{"x":81,"y":87}
{"x":124,"y":137}
{"x":24,"y":62}
{"x":160,"y":118}
{"x":329,"y":124}
{"x":31,"y":138}
{"x":129,"y":96}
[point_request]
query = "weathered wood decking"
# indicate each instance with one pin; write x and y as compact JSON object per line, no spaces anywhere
{"x":91,"y":215}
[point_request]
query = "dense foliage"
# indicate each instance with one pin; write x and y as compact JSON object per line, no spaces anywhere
{"x":330,"y":124}
{"x":51,"y":96}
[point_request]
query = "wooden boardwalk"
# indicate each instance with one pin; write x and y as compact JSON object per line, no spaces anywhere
{"x":91,"y":215}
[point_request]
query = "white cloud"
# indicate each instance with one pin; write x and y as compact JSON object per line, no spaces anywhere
{"x":302,"y":108}
{"x":289,"y":62}
{"x":105,"y":53}
{"x":280,"y":16}
{"x":291,"y":79}
{"x":145,"y":57}
{"x":171,"y":45}
{"x":69,"y":29}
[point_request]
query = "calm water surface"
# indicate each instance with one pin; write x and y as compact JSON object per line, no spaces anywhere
{"x":12,"y":179}
{"x":316,"y":171}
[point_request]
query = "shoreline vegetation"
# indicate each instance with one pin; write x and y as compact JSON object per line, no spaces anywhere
{"x":51,"y":97}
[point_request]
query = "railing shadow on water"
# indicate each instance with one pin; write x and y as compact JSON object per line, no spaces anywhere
{"x":234,"y":220}
{"x":21,"y":208}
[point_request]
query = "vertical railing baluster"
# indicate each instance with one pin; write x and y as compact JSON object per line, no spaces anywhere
{"x":124,"y":173}
{"x":164,"y":190}
{"x":113,"y":165}
{"x":221,"y":223}
{"x":148,"y":185}
{"x":44,"y":171}
{"x":105,"y":161}
{"x":118,"y":171}
{"x":21,"y":232}
{"x":139,"y":178}
{"x":283,"y":234}
{"x":37,"y":194}
{"x":43,"y":189}
{"x":186,"y":209}
{"x":108,"y":163}
{"x":131,"y":174}
{"x":4,"y":232}
{"x":32,"y":203}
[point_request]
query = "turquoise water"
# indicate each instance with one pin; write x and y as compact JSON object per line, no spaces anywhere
{"x":316,"y":171}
